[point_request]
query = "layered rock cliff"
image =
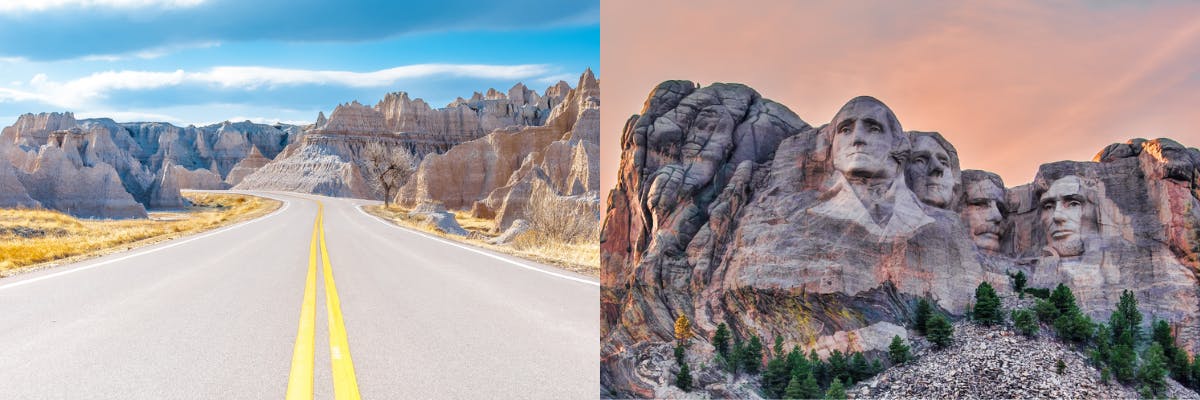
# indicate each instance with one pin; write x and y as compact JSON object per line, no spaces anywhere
{"x":495,"y":176}
{"x":101,"y":168}
{"x":731,"y":209}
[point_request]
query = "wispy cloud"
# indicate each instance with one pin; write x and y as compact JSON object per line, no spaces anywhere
{"x":86,"y":90}
{"x":13,"y":6}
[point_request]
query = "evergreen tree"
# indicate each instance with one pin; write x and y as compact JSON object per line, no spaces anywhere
{"x":1126,"y":319}
{"x":838,"y":367}
{"x":898,"y":351}
{"x":876,"y":367}
{"x":1046,"y":311}
{"x":794,"y":389}
{"x":775,"y":378}
{"x":679,"y":354}
{"x":859,"y":368}
{"x":1025,"y":323}
{"x":1102,"y":352}
{"x":1195,"y":369}
{"x":1154,"y":369}
{"x":941,"y":333}
{"x":820,"y":369}
{"x":1074,"y":327}
{"x":924,"y":311}
{"x":737,"y":357}
{"x":684,"y":379}
{"x":721,"y":340}
{"x":778,"y":347}
{"x":809,"y":389}
{"x":1180,"y":368}
{"x":836,"y":390}
{"x":987,"y":305}
{"x":797,"y":364}
{"x":683,"y":328}
{"x":1060,"y":367}
{"x":752,"y":360}
{"x":1018,"y":282}
{"x":1063,"y":299}
{"x":1122,"y":362}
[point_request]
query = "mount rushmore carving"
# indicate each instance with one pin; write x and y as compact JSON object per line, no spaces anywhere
{"x":731,"y":209}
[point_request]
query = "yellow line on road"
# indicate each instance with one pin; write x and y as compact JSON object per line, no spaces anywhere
{"x":345,"y":385}
{"x":300,"y":381}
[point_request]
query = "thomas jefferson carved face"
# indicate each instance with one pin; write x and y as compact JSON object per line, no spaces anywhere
{"x":929,"y":172}
{"x":1062,"y":213}
{"x":984,"y":211}
{"x":864,"y":136}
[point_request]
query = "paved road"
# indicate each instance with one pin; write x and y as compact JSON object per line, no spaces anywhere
{"x":217,"y":316}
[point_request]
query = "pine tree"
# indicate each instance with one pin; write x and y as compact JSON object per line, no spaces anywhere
{"x":820,"y":369}
{"x":778,"y":347}
{"x":1154,"y":369}
{"x":836,"y":390}
{"x":1195,"y":369}
{"x":941,"y":333}
{"x":752,"y":361}
{"x":859,"y":368}
{"x":1046,"y":311}
{"x":1060,"y":367}
{"x":898,"y":351}
{"x":987,"y":305}
{"x":838,"y":368}
{"x":1063,"y":299}
{"x":1074,"y":327}
{"x":679,"y":354}
{"x":683,"y":328}
{"x":924,"y":311}
{"x":797,"y":363}
{"x":1103,"y":351}
{"x":1018,"y":282}
{"x":721,"y":340}
{"x":1025,"y":323}
{"x":684,"y":379}
{"x":809,"y":388}
{"x":775,"y":378}
{"x":1122,"y":363}
{"x":876,"y":367}
{"x":1126,"y":319}
{"x":737,"y":357}
{"x":794,"y":389}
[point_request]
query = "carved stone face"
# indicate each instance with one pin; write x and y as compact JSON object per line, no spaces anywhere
{"x":984,"y":213}
{"x":929,"y":173}
{"x":862,"y":141}
{"x":1062,"y":213}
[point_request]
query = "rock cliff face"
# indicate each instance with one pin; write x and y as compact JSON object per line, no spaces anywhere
{"x":64,"y":164}
{"x":496,"y":175}
{"x":729,"y":208}
{"x":329,"y":160}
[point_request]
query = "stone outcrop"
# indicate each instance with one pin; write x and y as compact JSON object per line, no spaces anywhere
{"x":729,"y":208}
{"x":151,"y":161}
{"x":496,"y":175}
{"x":246,"y":166}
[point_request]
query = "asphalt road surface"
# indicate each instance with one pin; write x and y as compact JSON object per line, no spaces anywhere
{"x":218,"y":316}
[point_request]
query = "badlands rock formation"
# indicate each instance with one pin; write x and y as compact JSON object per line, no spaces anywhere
{"x":496,"y":175}
{"x":730,"y":208}
{"x":100,"y":168}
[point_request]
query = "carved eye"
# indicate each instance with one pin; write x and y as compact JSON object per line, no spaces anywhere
{"x":1074,"y":203}
{"x":1048,"y":206}
{"x":875,"y":129}
{"x":845,"y":129}
{"x":919,"y":160}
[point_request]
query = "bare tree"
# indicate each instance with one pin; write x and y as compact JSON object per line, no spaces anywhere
{"x":388,"y":169}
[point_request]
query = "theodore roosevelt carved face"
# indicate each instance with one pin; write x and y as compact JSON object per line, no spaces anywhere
{"x":984,"y":208}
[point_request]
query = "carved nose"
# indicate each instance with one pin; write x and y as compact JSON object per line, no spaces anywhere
{"x":994,"y":213}
{"x":1059,"y":215}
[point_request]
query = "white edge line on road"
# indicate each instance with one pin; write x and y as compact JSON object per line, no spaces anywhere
{"x":468,"y":248}
{"x":286,"y":204}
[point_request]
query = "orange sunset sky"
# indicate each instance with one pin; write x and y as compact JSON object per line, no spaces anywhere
{"x":1011,"y":85}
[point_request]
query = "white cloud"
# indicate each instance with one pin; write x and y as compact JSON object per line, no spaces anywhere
{"x":87,"y":90}
{"x":553,"y":79}
{"x":11,"y":6}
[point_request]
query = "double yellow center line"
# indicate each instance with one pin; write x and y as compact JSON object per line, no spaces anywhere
{"x":300,"y":381}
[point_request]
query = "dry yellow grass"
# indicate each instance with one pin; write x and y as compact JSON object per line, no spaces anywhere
{"x":29,"y":238}
{"x":582,"y":257}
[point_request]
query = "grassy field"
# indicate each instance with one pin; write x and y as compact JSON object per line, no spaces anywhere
{"x":36,"y":238}
{"x":582,"y":256}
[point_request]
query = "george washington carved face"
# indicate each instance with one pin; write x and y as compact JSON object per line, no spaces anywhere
{"x":1063,"y":209}
{"x":865,"y":137}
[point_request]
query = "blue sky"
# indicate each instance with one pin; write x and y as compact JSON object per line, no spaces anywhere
{"x":205,"y":61}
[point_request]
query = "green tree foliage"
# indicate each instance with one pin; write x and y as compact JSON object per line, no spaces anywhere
{"x":820,"y":368}
{"x":794,"y":388}
{"x":797,"y":364}
{"x":1126,"y":320}
{"x":721,"y":340}
{"x":775,"y":378}
{"x":1041,"y":293}
{"x":1154,"y":370}
{"x":1046,"y":311}
{"x":684,"y":379}
{"x":838,"y":366}
{"x":1074,"y":327}
{"x":778,"y":347}
{"x":1177,"y":358}
{"x":876,"y":367}
{"x":924,"y":311}
{"x":941,"y":333}
{"x":1123,"y":363}
{"x":898,"y":351}
{"x":987,"y":305}
{"x":737,"y":357}
{"x":679,"y":354}
{"x":1060,"y":367}
{"x":1018,"y":283}
{"x":836,"y":390}
{"x":1063,"y":299}
{"x":752,"y":359}
{"x":802,"y":387}
{"x":859,"y":368}
{"x":1025,"y":322}
{"x":1195,"y":369}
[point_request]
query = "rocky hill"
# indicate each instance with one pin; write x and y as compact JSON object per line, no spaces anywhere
{"x":496,"y":175}
{"x":731,"y":209}
{"x":100,"y":168}
{"x":328,"y":160}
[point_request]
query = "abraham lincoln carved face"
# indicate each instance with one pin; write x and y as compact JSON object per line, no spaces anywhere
{"x":1064,"y":206}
